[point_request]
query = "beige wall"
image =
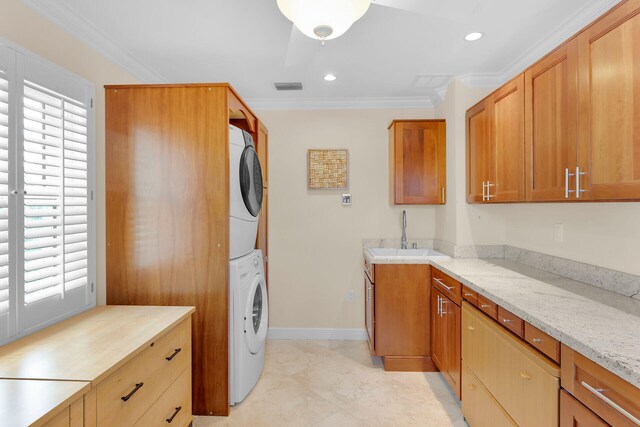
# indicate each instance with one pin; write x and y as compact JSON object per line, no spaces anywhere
{"x":315,"y":244}
{"x":603,"y":234}
{"x":23,"y":26}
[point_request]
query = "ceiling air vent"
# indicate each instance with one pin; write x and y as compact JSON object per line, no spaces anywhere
{"x":288,"y":86}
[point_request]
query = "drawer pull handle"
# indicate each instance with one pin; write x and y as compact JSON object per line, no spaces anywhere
{"x":507,"y":320}
{"x":525,"y":375}
{"x":471,"y":386}
{"x":537,"y":340}
{"x":598,"y":393}
{"x":468,"y":295}
{"x":485,"y":305}
{"x":175,"y":353}
{"x":471,"y":328}
{"x":449,"y":288}
{"x":132,"y":392}
{"x":169,"y":420}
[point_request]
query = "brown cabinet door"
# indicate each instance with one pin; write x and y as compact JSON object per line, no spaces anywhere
{"x":609,"y":106}
{"x":506,"y":170}
{"x":418,"y":166}
{"x":551,"y":107}
{"x":452,"y":315}
{"x":575,"y":414}
{"x":479,"y":154}
{"x":438,"y":331}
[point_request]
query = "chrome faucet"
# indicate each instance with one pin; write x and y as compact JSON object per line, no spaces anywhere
{"x":404,"y":230}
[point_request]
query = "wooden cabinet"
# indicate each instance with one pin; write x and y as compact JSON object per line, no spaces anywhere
{"x":551,"y":108}
{"x":609,"y":106}
{"x":167,"y":212}
{"x":544,"y":343}
{"x":575,"y":414}
{"x":522,"y":381}
{"x":579,"y":112}
{"x":417,"y":162}
{"x":397,"y":316}
{"x":610,"y":397}
{"x":445,"y":327}
{"x":495,"y":146}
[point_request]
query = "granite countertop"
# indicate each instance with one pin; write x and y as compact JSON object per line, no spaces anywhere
{"x":601,"y":325}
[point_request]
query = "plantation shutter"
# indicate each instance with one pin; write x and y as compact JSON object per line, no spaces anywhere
{"x":7,"y":303}
{"x":55,"y":159}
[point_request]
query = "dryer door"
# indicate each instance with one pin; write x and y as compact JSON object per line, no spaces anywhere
{"x":251,"y":180}
{"x":256,"y":315}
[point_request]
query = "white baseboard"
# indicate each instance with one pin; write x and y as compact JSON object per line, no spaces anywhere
{"x":316,"y":334}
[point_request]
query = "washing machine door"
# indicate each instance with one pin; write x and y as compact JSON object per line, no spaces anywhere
{"x":251,"y":180}
{"x":256,"y":315}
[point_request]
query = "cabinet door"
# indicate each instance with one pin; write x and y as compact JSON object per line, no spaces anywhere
{"x":609,"y":106}
{"x":438,"y":331}
{"x":551,"y":107}
{"x":419,"y":162}
{"x":575,"y":414}
{"x":369,"y":304}
{"x":506,"y":170}
{"x":478,"y":151}
{"x":452,"y":314}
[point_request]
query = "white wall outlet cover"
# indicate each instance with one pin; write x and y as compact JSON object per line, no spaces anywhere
{"x":346,"y":200}
{"x":350,"y":297}
{"x":558,"y":233}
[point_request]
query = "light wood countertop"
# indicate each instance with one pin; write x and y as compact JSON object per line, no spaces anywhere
{"x":89,"y":346}
{"x":34,"y":402}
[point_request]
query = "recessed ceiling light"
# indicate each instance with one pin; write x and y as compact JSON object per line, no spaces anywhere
{"x":471,"y":37}
{"x":330,"y":77}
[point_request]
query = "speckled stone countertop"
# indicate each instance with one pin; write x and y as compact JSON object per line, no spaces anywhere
{"x":601,"y":325}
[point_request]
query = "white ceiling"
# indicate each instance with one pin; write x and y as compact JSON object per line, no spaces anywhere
{"x":386,"y":57}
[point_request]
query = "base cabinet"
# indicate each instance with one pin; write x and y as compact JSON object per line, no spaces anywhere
{"x":575,"y":414}
{"x":445,"y":338}
{"x":397,"y":315}
{"x":479,"y":407}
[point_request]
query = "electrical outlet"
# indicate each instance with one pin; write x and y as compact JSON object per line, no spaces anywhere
{"x":350,"y":297}
{"x":346,"y":200}
{"x":558,"y":233}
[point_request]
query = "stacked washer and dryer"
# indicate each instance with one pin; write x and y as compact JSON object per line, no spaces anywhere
{"x":248,"y":309}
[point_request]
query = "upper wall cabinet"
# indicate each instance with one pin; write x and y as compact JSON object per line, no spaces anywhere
{"x":417,"y":162}
{"x":495,"y":146}
{"x":581,"y":110}
{"x":609,"y":106}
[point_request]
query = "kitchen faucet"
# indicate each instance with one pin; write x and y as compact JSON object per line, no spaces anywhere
{"x":404,"y":230}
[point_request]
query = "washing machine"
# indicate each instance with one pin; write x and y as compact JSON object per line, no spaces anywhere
{"x":245,"y":195}
{"x":248,"y":322}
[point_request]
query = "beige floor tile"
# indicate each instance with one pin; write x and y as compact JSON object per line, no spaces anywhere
{"x":337,"y":383}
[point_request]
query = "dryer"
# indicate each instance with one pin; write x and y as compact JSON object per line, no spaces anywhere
{"x":245,"y":192}
{"x":248,"y":323}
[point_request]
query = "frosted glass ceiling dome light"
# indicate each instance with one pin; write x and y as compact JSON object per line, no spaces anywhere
{"x":323,"y":19}
{"x":471,"y":37}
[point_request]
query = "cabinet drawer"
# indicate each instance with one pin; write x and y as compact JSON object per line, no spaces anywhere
{"x":470,"y":295}
{"x":543,"y":342}
{"x":488,"y":306}
{"x":478,"y":406}
{"x":511,"y":322}
{"x":447,"y":285}
{"x":524,"y":382}
{"x":174,"y":406}
{"x":609,"y":396}
{"x":575,"y":414}
{"x":128,"y":393}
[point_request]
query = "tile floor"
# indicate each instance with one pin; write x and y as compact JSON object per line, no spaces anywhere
{"x":337,"y":383}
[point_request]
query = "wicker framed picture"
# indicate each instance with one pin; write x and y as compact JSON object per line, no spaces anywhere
{"x":327,"y":169}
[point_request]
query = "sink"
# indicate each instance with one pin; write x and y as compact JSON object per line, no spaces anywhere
{"x":393,"y":254}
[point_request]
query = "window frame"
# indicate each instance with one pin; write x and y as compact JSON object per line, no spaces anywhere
{"x":65,"y":81}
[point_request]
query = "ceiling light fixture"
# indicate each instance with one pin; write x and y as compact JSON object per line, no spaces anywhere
{"x":330,"y":77}
{"x":471,"y":37}
{"x":323,"y":19}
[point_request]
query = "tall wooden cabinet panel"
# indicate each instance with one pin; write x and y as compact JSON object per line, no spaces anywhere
{"x":167,"y":213}
{"x":551,"y":108}
{"x":417,"y":155}
{"x":438,"y":331}
{"x":609,"y":106}
{"x":495,"y":146}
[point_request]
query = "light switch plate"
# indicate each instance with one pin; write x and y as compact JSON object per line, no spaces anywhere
{"x":346,"y":200}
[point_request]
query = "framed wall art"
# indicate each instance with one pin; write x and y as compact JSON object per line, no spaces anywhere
{"x":327,"y":169}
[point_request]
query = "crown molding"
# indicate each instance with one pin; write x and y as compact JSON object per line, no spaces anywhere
{"x":341,"y":103}
{"x":562,"y":33}
{"x":71,"y":21}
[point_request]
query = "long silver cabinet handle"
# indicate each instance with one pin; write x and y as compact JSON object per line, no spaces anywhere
{"x":598,"y":393}
{"x":438,"y":296}
{"x":484,"y":196}
{"x":578,"y":175}
{"x":449,"y":288}
{"x":566,"y":183}
{"x":489,"y":195}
